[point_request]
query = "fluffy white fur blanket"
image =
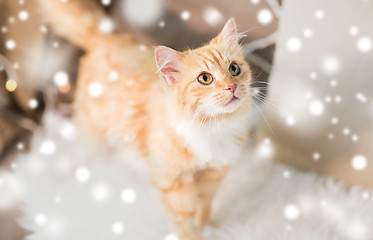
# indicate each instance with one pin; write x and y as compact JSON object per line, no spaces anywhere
{"x":74,"y":190}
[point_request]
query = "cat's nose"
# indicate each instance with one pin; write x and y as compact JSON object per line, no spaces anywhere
{"x":231,"y":88}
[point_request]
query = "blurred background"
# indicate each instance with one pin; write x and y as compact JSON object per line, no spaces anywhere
{"x":311,"y":64}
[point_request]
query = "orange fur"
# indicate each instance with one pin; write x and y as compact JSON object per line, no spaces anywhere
{"x":164,"y":120}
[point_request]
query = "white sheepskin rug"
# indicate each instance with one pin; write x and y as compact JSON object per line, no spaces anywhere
{"x":75,"y":190}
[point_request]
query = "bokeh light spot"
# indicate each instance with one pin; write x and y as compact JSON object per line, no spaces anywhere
{"x":291,"y":212}
{"x":128,"y":195}
{"x":11,"y":85}
{"x":265,"y":16}
{"x":359,"y":162}
{"x":293,"y":44}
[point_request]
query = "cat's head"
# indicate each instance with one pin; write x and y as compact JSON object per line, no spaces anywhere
{"x":212,"y":80}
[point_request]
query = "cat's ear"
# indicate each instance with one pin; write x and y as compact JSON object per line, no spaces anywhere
{"x":168,"y":63}
{"x":229,"y":34}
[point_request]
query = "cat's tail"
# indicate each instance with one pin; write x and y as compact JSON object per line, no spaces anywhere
{"x":76,"y":20}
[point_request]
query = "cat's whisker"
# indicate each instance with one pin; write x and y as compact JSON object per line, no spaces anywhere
{"x":265,"y":119}
{"x":201,"y":122}
{"x":210,"y":119}
{"x":257,"y":76}
{"x":278,"y":91}
{"x":215,"y":124}
{"x":260,"y":94}
{"x":263,"y":96}
{"x":252,"y":28}
{"x":263,"y":101}
{"x":218,"y":125}
{"x":267,"y":86}
{"x":194,"y":117}
{"x":253,"y":82}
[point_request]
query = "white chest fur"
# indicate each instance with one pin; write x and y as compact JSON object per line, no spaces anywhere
{"x":215,"y":144}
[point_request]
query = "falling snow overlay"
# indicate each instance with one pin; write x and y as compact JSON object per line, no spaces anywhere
{"x":306,"y":174}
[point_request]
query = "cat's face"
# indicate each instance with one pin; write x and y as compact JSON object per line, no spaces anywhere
{"x":211,"y":80}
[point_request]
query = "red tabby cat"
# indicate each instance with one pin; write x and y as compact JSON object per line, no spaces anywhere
{"x":186,"y":113}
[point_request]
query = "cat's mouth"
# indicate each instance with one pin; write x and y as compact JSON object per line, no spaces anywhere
{"x":233,"y":100}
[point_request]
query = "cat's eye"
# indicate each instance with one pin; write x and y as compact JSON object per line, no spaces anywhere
{"x":234,"y":69}
{"x":205,"y":78}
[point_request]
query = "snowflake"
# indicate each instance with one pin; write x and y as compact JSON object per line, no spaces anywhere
{"x":171,"y":236}
{"x":61,"y":78}
{"x":265,"y":16}
{"x":40,"y":219}
{"x":13,"y":165}
{"x":142,"y":13}
{"x":331,"y":136}
{"x":47,"y":147}
{"x":316,"y":108}
{"x":294,"y":44}
{"x":162,"y":24}
{"x":334,"y":120}
{"x":43,"y":29}
{"x":316,"y":156}
{"x":33,"y":103}
{"x":128,"y":195}
{"x":185,"y":15}
{"x":20,"y":146}
{"x":361,"y":97}
{"x":117,"y":228}
{"x":113,"y":75}
{"x":265,"y":149}
{"x":23,"y":15}
{"x":354,"y":30}
{"x":290,"y":120}
{"x":364,"y":44}
{"x":319,"y":14}
{"x":106,"y":25}
{"x":286,"y":174}
{"x":307,"y":32}
{"x":333,"y":83}
{"x":10,"y":44}
{"x":95,"y":89}
{"x":106,"y":2}
{"x":55,"y":44}
{"x":130,"y":83}
{"x":68,"y":131}
{"x":365,"y":195}
{"x":359,"y":162}
{"x":313,"y":75}
{"x":346,"y":131}
{"x":100,"y":192}
{"x":355,"y":138}
{"x":82,"y":174}
{"x":330,"y":64}
{"x":291,"y":212}
{"x":212,"y":16}
{"x":337,"y":99}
